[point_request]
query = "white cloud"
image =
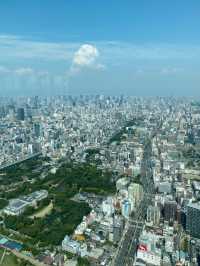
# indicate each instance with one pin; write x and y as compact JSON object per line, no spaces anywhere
{"x":57,"y":57}
{"x":24,"y":71}
{"x":114,"y":53}
{"x":16,"y":47}
{"x":25,"y":79}
{"x":43,"y":73}
{"x":171,"y":70}
{"x":86,"y":55}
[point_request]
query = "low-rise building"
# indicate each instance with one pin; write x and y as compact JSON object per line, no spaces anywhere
{"x":15,"y":207}
{"x":70,"y":245}
{"x":18,"y":206}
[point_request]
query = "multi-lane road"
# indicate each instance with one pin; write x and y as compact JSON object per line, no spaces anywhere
{"x":126,"y":251}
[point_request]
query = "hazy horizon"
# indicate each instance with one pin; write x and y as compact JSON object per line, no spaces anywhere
{"x":86,"y":47}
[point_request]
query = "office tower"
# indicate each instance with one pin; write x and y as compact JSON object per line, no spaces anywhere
{"x":36,"y":129}
{"x":2,"y":112}
{"x":153,"y":215}
{"x":193,"y":219}
{"x":135,"y":194}
{"x":126,"y":208}
{"x":20,"y":114}
{"x":170,"y":210}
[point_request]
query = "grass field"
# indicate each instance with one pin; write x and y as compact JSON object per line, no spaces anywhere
{"x":46,"y":210}
{"x":9,"y":259}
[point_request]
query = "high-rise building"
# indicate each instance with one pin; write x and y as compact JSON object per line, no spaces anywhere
{"x":118,"y":226}
{"x":107,"y":207}
{"x":170,"y":210}
{"x":36,"y":129}
{"x":135,"y":194}
{"x":193,"y":219}
{"x":126,"y":208}
{"x":20,"y":114}
{"x":153,"y":215}
{"x":122,"y":183}
{"x":2,"y":112}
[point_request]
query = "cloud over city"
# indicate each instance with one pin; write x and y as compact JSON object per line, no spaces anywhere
{"x":29,"y":62}
{"x":86,"y":57}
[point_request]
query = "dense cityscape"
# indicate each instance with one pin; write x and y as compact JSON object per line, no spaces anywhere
{"x":99,"y":133}
{"x":98,"y":180}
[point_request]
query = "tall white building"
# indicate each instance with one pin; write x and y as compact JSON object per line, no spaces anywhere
{"x":126,"y":208}
{"x":153,"y":215}
{"x":107,"y":206}
{"x":135,"y":194}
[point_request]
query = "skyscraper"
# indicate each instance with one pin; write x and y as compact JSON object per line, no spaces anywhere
{"x":126,"y":208}
{"x":170,"y":210}
{"x":135,"y":194}
{"x":36,"y":129}
{"x":20,"y":114}
{"x":153,"y":214}
{"x":193,"y":219}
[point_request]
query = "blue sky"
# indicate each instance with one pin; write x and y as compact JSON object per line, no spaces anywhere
{"x":135,"y":47}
